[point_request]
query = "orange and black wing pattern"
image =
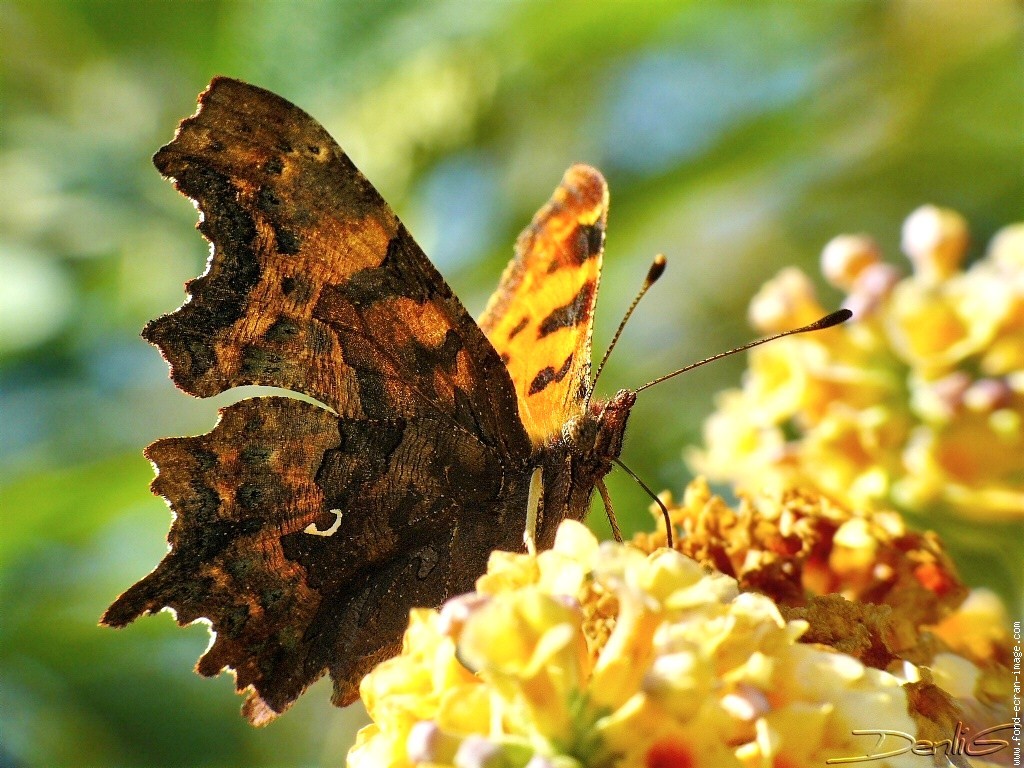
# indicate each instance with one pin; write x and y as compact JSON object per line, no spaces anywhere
{"x":304,"y":533}
{"x":540,"y":319}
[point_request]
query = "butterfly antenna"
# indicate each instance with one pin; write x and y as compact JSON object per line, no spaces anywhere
{"x":657,"y":270}
{"x":835,"y":318}
{"x":664,"y":510}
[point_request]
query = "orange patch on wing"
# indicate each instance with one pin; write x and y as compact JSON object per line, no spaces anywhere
{"x":540,"y":319}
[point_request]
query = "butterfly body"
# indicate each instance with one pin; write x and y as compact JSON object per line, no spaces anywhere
{"x":578,"y":460}
{"x":304,"y":531}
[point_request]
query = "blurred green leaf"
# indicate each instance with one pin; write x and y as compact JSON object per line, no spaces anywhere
{"x":69,"y":506}
{"x":736,"y":137}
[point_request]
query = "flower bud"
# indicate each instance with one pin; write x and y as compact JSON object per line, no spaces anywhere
{"x":1006,"y":250}
{"x":784,"y":302}
{"x":427,"y":743}
{"x":872,"y":285}
{"x":986,"y":395}
{"x":845,"y":257}
{"x":935,"y":240}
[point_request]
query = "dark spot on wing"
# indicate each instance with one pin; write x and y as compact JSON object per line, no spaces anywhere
{"x":518,"y":327}
{"x":425,"y":560}
{"x":297,"y":288}
{"x":396,"y":276}
{"x":231,"y":621}
{"x":256,"y":453}
{"x":259,"y":363}
{"x":592,"y":237}
{"x":217,"y":535}
{"x":205,"y":460}
{"x":283,"y":329}
{"x":249,"y":495}
{"x":570,"y":315}
{"x":548,"y":376}
{"x":584,"y":244}
{"x":288,"y":242}
{"x":267,"y":200}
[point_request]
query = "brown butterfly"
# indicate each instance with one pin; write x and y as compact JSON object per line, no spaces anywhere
{"x":305,"y":532}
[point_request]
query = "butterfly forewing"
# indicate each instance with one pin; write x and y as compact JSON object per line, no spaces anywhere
{"x":314,"y":285}
{"x":540,"y":319}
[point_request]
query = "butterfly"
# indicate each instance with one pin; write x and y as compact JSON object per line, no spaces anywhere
{"x":305,"y":531}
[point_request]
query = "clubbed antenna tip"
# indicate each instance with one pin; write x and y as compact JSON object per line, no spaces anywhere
{"x":835,"y":318}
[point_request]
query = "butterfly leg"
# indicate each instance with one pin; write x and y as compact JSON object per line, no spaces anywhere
{"x":603,"y":490}
{"x":533,"y":503}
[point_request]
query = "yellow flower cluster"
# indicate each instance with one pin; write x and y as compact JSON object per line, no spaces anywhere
{"x":609,"y":655}
{"x":866,"y":585}
{"x":916,"y":403}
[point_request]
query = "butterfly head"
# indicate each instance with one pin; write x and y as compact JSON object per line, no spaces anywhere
{"x":597,"y":433}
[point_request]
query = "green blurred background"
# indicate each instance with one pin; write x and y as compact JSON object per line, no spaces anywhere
{"x":736,"y":137}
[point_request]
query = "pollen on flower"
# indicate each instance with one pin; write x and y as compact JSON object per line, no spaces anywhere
{"x":669,"y":754}
{"x":916,"y":404}
{"x":795,"y":543}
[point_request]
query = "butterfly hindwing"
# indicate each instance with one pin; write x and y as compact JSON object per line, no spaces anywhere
{"x":540,"y":319}
{"x":292,"y":588}
{"x":234,"y":501}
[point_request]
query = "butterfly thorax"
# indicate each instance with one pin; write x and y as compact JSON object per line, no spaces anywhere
{"x":578,"y":459}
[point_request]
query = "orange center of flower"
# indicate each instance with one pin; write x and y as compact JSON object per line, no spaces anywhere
{"x":669,"y":754}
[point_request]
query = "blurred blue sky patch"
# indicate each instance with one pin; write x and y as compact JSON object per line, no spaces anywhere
{"x":669,"y":107}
